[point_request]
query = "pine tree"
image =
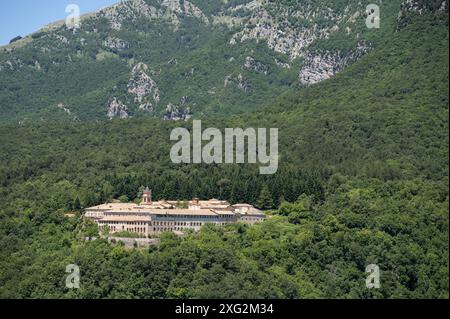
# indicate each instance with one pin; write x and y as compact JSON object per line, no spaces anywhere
{"x":265,"y":200}
{"x":76,"y":204}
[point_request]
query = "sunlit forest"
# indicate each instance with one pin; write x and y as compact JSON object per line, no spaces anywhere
{"x":363,"y":179}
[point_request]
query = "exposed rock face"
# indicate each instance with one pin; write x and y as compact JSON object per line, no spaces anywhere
{"x":227,"y":81}
{"x":37,"y":65}
{"x":320,"y":66}
{"x":422,"y":6}
{"x":61,"y":38}
{"x":293,"y":30}
{"x":280,"y":35}
{"x":172,"y":61}
{"x":418,"y":7}
{"x":143,"y":87}
{"x":282,"y":64}
{"x":243,"y":84}
{"x":180,"y":112}
{"x":240,"y":81}
{"x":11,"y":65}
{"x":185,"y":100}
{"x":147,"y":107}
{"x":252,"y":64}
{"x":116,"y":44}
{"x":186,"y":8}
{"x":177,"y":113}
{"x":117,"y":109}
{"x":167,"y":9}
{"x":123,"y":11}
{"x":64,"y":107}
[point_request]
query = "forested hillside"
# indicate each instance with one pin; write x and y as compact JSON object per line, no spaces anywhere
{"x":363,"y":179}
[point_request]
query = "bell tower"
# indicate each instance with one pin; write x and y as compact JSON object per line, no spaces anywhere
{"x":147,"y":196}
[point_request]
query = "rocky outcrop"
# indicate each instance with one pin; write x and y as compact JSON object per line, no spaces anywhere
{"x":146,"y":107}
{"x":117,"y":109}
{"x":64,"y":107}
{"x":127,"y":10}
{"x":143,"y":87}
{"x":227,"y":81}
{"x":241,"y":83}
{"x":115,"y":44}
{"x":60,"y":38}
{"x":11,"y":65}
{"x":169,"y":10}
{"x":185,"y":100}
{"x":177,"y":113}
{"x":419,"y":7}
{"x":252,"y":64}
{"x":282,"y":65}
{"x":281,"y":35}
{"x":320,"y":66}
{"x":185,"y":8}
{"x":37,"y":65}
{"x":422,"y":6}
{"x":172,"y":61}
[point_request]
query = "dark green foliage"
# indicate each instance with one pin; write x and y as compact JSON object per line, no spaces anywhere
{"x":363,"y":179}
{"x":15,"y":39}
{"x":265,"y":200}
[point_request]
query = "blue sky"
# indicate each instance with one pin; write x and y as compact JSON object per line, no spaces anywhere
{"x":22,"y":17}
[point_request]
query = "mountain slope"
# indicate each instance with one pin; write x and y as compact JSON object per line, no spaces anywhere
{"x":364,"y":163}
{"x":194,"y":58}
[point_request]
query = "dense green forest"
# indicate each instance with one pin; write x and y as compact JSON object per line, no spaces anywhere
{"x":363,"y":179}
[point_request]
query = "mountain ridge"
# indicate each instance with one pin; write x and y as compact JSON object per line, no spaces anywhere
{"x":222,"y":58}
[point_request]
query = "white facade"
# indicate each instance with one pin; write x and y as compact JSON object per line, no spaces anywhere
{"x":150,"y":218}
